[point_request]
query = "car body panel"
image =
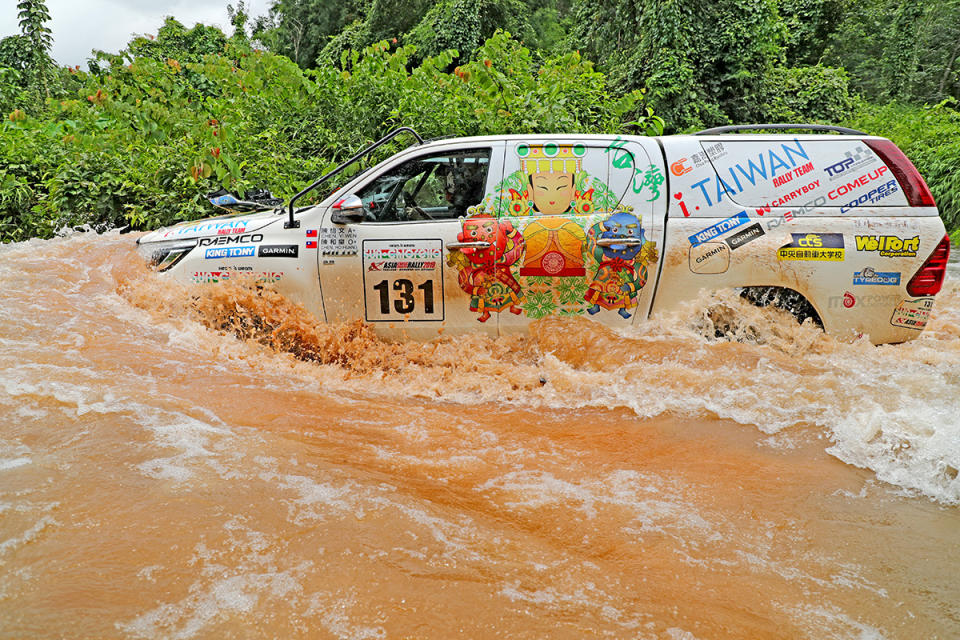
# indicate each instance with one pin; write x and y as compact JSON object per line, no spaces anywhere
{"x":821,"y":215}
{"x":396,"y":274}
{"x":817,"y":242}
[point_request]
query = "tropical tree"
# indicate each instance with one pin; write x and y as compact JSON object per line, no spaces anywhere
{"x":34,"y":15}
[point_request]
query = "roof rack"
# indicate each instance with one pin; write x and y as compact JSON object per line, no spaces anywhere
{"x":294,"y":224}
{"x":749,"y":127}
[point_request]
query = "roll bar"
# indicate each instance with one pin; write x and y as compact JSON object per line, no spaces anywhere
{"x":295,"y":224}
{"x":753,"y":127}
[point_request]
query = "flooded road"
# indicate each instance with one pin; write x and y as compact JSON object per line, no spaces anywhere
{"x":161,"y":478}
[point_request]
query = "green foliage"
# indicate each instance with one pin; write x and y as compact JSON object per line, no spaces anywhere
{"x":15,"y":53}
{"x":174,"y":41}
{"x":28,"y":55}
{"x":807,"y":94}
{"x":699,"y":67}
{"x":34,"y":15}
{"x":808,"y":24}
{"x":149,"y":131}
{"x":299,"y":29}
{"x":904,"y":50}
{"x":142,"y":136}
{"x":930,"y":136}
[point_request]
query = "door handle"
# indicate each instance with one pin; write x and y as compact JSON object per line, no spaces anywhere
{"x":630,"y":242}
{"x":469,"y":245}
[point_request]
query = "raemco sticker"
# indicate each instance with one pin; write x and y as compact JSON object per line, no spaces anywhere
{"x":813,"y":246}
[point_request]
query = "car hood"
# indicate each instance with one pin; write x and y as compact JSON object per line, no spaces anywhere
{"x":222,"y":225}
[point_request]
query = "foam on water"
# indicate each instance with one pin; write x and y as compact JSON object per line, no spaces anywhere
{"x":892,"y":408}
{"x":336,"y":469}
{"x":221,"y":590}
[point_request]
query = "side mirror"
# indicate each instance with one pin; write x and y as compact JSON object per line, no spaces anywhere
{"x":348,"y":209}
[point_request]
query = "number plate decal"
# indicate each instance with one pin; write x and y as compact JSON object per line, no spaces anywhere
{"x":403,"y":280}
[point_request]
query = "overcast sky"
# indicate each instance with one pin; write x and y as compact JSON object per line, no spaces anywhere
{"x":82,"y":25}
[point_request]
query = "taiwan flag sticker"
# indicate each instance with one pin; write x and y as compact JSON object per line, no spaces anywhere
{"x":311,"y":233}
{"x":311,"y":244}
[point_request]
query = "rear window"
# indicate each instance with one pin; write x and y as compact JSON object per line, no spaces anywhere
{"x":799,"y":174}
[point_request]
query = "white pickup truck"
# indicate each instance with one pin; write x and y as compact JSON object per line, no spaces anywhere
{"x":488,"y":234}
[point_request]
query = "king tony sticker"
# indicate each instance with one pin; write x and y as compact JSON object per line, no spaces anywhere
{"x":403,"y":280}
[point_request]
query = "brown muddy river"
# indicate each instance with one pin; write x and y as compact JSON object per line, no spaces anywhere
{"x":161,"y":478}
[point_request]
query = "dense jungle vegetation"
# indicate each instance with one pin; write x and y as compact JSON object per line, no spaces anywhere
{"x":139,"y":137}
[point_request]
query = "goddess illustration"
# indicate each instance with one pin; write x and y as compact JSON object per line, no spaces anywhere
{"x":485,"y":273}
{"x":554,"y":245}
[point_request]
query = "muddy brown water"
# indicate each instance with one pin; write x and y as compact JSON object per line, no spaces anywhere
{"x":161,"y":477}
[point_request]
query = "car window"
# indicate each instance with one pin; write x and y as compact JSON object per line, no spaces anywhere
{"x":434,"y":187}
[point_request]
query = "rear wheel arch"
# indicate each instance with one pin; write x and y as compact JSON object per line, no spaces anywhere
{"x":784,"y":298}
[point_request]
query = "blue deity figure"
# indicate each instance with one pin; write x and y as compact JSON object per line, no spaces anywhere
{"x":621,"y":268}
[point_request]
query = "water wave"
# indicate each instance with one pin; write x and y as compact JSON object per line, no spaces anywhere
{"x":891,"y":408}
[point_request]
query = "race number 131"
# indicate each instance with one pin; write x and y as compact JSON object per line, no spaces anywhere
{"x":404,"y":300}
{"x":403,"y":280}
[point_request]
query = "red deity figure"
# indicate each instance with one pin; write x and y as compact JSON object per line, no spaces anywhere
{"x":485,"y":272}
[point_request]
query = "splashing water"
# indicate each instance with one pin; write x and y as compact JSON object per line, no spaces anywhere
{"x":212,"y":461}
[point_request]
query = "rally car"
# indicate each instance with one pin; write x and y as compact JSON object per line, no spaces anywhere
{"x":491,"y":233}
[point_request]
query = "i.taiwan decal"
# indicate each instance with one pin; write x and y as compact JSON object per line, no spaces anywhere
{"x":403,"y":280}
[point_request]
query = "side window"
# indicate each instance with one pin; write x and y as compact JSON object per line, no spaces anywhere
{"x":435,"y":187}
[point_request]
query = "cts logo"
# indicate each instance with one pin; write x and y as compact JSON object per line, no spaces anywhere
{"x":679,"y":167}
{"x":848,"y":299}
{"x":817,"y":240}
{"x":813,"y":246}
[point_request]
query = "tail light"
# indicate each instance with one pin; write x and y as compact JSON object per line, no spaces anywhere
{"x":916,"y":190}
{"x":928,"y":280}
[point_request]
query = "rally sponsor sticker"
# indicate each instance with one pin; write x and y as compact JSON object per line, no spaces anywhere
{"x":912,"y":314}
{"x":889,"y":246}
{"x":813,"y":246}
{"x":741,"y":238}
{"x":869,"y":276}
{"x":229,"y":252}
{"x":717,"y":230}
{"x":279,"y":251}
{"x":709,"y":257}
{"x":403,"y":280}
